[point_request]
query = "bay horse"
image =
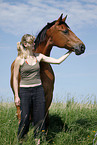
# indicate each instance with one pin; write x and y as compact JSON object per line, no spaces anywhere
{"x":61,"y":36}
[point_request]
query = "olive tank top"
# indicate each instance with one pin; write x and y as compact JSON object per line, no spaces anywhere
{"x":30,"y":74}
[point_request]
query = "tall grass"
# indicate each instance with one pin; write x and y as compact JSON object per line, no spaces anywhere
{"x":69,"y":124}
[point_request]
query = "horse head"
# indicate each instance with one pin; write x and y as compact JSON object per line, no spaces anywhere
{"x":62,"y":36}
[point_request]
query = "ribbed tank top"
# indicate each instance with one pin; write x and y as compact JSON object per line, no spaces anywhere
{"x":30,"y":74}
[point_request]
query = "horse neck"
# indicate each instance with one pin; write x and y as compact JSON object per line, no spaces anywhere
{"x":43,"y":49}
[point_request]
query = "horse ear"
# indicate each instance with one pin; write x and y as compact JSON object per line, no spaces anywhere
{"x":64,"y":19}
{"x":60,"y":18}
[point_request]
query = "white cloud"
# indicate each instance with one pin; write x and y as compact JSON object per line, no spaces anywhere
{"x":31,"y":16}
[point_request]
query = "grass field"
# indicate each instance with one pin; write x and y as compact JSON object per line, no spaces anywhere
{"x":70,"y":124}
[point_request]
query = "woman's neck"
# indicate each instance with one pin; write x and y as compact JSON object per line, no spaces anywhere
{"x":30,"y":52}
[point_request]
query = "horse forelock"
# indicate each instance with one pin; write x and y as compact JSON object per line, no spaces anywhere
{"x":61,"y":22}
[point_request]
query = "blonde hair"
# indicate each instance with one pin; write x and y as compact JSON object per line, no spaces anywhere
{"x":22,"y":51}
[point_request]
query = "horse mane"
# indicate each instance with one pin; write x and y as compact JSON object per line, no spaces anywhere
{"x":42,"y":34}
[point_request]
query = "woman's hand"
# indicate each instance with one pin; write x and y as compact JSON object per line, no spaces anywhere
{"x":17,"y":101}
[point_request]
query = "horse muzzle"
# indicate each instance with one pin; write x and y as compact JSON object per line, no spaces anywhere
{"x":79,"y":49}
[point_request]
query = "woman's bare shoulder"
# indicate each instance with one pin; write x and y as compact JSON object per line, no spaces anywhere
{"x":36,"y":54}
{"x":19,"y":60}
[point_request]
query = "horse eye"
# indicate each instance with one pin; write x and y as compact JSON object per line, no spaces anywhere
{"x":66,"y":31}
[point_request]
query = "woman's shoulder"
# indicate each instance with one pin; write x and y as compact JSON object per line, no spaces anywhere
{"x":36,"y":54}
{"x":19,"y":60}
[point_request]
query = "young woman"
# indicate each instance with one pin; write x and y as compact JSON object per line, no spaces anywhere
{"x":31,"y":93}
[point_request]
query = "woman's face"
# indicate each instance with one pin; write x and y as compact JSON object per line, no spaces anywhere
{"x":30,"y":43}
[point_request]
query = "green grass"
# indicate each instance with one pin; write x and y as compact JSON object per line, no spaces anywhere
{"x":69,"y":124}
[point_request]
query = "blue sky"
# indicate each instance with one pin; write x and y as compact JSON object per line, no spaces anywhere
{"x":77,"y":75}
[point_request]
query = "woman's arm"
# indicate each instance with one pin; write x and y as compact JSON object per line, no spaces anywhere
{"x":15,"y":81}
{"x":53,"y":60}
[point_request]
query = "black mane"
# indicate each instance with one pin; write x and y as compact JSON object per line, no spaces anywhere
{"x":42,"y":34}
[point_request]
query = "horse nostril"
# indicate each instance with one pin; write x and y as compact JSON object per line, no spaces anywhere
{"x":82,"y":46}
{"x":79,"y":49}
